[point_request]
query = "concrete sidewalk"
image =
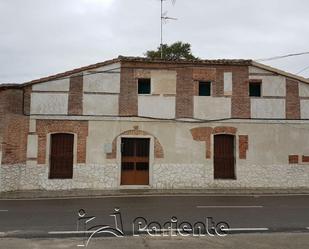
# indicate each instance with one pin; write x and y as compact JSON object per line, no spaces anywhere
{"x":242,"y":241}
{"x":37,"y":194}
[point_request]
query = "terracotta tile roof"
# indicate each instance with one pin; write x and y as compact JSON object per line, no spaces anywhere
{"x":183,"y":61}
{"x":238,"y":62}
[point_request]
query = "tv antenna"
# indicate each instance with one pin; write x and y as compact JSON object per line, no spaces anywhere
{"x":164,"y":19}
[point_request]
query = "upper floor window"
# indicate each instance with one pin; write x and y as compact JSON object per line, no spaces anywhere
{"x":144,"y":86}
{"x":255,"y":89}
{"x":204,"y":88}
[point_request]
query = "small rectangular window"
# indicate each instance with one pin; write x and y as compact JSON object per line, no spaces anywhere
{"x":204,"y":88}
{"x":144,"y":86}
{"x":255,"y":89}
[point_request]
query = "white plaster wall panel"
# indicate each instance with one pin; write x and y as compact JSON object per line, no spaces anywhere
{"x":266,"y":164}
{"x":212,"y":107}
{"x":32,"y":125}
{"x":156,"y":106}
{"x":256,"y":70}
{"x":62,"y":85}
{"x":267,"y":108}
{"x":49,"y":103}
{"x":97,"y":104}
{"x":32,"y":146}
{"x":272,"y":85}
{"x":108,"y":82}
{"x":163,"y":82}
{"x":228,"y":83}
{"x":303,"y":89}
{"x":304,"y":108}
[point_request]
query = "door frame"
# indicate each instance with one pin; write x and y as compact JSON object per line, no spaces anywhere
{"x":151,"y":161}
{"x":48,"y":152}
{"x":235,"y":153}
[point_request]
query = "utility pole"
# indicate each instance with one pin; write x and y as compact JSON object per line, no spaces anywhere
{"x":161,"y":44}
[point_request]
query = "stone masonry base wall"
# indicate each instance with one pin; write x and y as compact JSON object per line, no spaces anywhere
{"x":164,"y":176}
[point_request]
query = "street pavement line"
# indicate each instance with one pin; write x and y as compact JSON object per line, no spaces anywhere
{"x":70,"y":232}
{"x":4,"y":210}
{"x":245,"y":229}
{"x":229,"y":206}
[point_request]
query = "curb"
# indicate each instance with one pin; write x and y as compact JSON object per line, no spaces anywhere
{"x":40,"y":234}
{"x":71,"y":194}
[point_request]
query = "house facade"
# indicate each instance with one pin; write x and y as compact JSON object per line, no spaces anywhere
{"x":139,"y":123}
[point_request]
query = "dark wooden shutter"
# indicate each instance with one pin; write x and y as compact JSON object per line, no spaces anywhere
{"x":61,"y":156}
{"x":224,"y":159}
{"x":135,"y":161}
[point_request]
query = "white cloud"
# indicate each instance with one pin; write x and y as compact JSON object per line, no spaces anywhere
{"x":42,"y":37}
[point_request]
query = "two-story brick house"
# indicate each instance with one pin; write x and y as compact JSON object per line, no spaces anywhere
{"x":135,"y":122}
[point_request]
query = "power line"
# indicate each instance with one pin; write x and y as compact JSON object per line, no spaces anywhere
{"x":282,"y":56}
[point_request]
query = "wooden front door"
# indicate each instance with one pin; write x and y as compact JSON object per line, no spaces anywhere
{"x":135,"y":161}
{"x":224,"y":160}
{"x":61,"y":156}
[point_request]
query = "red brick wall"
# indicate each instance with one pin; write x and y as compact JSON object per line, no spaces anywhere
{"x":27,"y":99}
{"x":292,"y":100}
{"x":293,"y":159}
{"x":305,"y":159}
{"x":43,"y":127}
{"x":241,"y":107}
{"x":128,"y":93}
{"x":158,"y":148}
{"x":75,"y":106}
{"x":204,"y":134}
{"x":13,"y":127}
{"x":184,"y":93}
{"x":243,"y":146}
{"x":14,"y":147}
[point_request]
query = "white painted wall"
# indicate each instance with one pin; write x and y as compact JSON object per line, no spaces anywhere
{"x":100,"y":104}
{"x":228,"y":83}
{"x":163,"y":82}
{"x":62,"y":85}
{"x":267,"y":108}
{"x":212,"y":107}
{"x":32,"y":146}
{"x":303,"y":90}
{"x":49,"y":103}
{"x":272,"y":85}
{"x":266,"y":165}
{"x":304,"y":108}
{"x":103,"y":82}
{"x":156,"y":106}
{"x":257,"y":70}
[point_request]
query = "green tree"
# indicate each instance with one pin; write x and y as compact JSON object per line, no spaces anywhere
{"x":175,"y":51}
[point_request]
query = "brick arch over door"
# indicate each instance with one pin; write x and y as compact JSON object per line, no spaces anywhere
{"x":45,"y":127}
{"x":158,"y":149}
{"x":204,"y":134}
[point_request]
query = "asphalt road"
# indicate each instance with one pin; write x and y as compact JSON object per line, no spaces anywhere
{"x":54,"y":217}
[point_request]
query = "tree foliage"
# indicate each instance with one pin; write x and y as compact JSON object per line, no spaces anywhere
{"x":175,"y":51}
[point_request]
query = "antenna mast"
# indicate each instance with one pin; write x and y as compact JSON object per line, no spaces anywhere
{"x":164,"y":18}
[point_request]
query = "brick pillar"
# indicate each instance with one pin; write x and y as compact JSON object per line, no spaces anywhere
{"x":218,"y":90}
{"x":292,"y":102}
{"x":184,"y":93}
{"x":27,"y":99}
{"x":128,"y":93}
{"x":241,"y":107}
{"x":76,"y":95}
